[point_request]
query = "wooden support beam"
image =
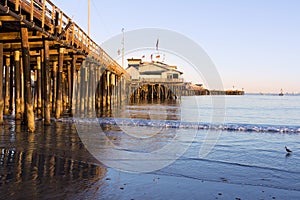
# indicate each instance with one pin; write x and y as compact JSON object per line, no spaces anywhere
{"x":69,"y":86}
{"x":29,"y":114}
{"x":11,"y":83}
{"x":46,"y":84}
{"x":108,"y":97}
{"x":18,"y":109}
{"x":17,"y":4}
{"x":7,"y":94}
{"x":78,"y":97}
{"x":31,"y":10}
{"x":62,"y":34}
{"x":59,"y":83}
{"x":104,"y":89}
{"x":64,"y":92}
{"x":54,"y":75}
{"x":39,"y":86}
{"x":83,"y":88}
{"x":43,"y":14}
{"x":90,"y":87}
{"x":73,"y":75}
{"x":1,"y":82}
{"x":7,"y":18}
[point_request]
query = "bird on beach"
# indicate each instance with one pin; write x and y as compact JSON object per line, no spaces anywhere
{"x":288,"y":150}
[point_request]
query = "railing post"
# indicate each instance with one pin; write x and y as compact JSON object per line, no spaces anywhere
{"x":17,"y":5}
{"x":31,"y":10}
{"x":43,"y":13}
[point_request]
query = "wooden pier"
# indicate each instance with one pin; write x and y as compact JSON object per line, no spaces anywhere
{"x":160,"y":89}
{"x":51,"y":67}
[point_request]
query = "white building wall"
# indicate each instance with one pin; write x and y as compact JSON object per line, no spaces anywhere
{"x":165,"y":74}
{"x":150,"y":76}
{"x":134,"y":73}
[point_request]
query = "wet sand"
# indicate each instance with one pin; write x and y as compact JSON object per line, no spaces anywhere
{"x":54,"y":164}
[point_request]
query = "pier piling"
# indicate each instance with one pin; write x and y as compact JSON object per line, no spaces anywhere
{"x":1,"y":82}
{"x":7,"y":95}
{"x":59,"y":83}
{"x":29,"y":115}
{"x":18,"y":109}
{"x":46,"y":83}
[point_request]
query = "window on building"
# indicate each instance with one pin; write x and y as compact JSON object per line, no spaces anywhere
{"x":175,"y":76}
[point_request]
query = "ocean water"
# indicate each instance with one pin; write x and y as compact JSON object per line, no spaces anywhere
{"x":152,"y":150}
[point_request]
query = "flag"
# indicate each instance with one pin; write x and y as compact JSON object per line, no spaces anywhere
{"x":157,"y":44}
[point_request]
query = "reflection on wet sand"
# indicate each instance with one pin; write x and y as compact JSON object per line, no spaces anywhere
{"x":51,"y":163}
{"x":149,"y":138}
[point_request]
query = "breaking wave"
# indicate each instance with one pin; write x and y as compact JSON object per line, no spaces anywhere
{"x":188,"y":125}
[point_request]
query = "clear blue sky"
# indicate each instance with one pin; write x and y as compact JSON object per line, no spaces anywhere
{"x":255,"y":44}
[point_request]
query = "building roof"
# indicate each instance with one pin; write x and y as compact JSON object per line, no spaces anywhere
{"x":164,"y":66}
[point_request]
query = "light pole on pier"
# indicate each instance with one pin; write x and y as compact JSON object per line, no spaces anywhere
{"x":89,"y":17}
{"x":123,"y":47}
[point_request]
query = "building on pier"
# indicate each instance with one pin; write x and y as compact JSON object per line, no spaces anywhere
{"x":190,"y":89}
{"x":154,"y":80}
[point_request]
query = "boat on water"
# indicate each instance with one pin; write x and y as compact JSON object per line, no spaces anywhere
{"x":281,"y":93}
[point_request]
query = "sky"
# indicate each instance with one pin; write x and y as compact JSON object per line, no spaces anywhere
{"x":254,"y":44}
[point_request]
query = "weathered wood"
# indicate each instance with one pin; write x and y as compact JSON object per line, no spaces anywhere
{"x":39,"y":87}
{"x":1,"y":82}
{"x":108,"y":100}
{"x":43,"y":19}
{"x":64,"y":92}
{"x":73,"y":75}
{"x":54,"y":87}
{"x":29,"y":114}
{"x":11,"y":82}
{"x":86,"y":88}
{"x":104,"y":89}
{"x":78,"y":94}
{"x":82,"y":89}
{"x":69,"y":86}
{"x":90,"y":88}
{"x":7,"y":94}
{"x":46,"y":83}
{"x":99,"y":90}
{"x":18,"y":109}
{"x":59,"y":83}
{"x":22,"y":101}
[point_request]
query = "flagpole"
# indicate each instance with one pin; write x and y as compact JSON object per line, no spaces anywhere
{"x":123,"y":47}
